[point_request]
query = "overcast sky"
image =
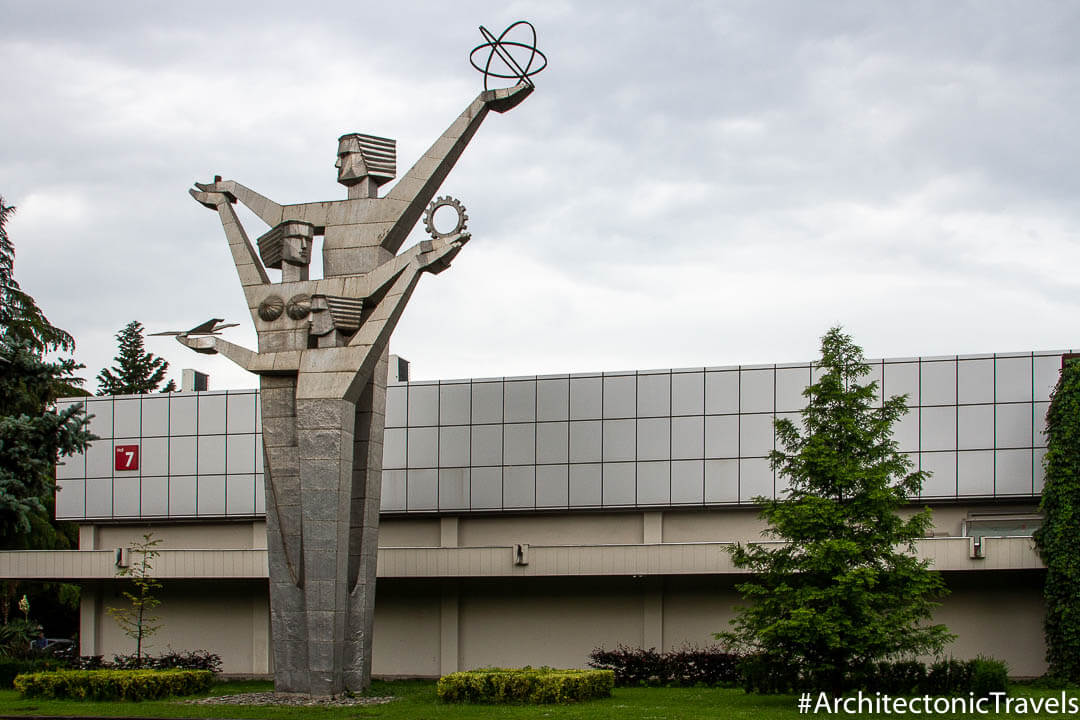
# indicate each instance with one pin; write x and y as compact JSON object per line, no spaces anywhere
{"x":708,"y":183}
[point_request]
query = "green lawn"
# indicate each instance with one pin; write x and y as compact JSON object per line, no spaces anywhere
{"x":416,"y":701}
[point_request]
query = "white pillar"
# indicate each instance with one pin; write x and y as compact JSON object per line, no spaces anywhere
{"x":449,"y":619}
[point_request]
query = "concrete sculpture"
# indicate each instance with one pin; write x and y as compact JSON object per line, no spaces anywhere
{"x":322,"y":362}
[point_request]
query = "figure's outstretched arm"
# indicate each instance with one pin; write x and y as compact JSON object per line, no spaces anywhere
{"x":248,"y":266}
{"x":422,"y":181}
{"x":430,"y":256}
{"x":381,"y":276}
{"x":250,"y":360}
{"x":267,"y":210}
{"x":343,"y":371}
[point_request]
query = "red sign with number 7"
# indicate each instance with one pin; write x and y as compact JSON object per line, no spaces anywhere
{"x":127,"y":457}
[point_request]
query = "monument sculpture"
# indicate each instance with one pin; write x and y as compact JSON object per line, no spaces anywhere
{"x":322,"y":363}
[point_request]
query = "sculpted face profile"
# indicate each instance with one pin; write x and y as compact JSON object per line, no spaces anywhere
{"x":296,"y":250}
{"x":288,"y":248}
{"x":365,"y":162}
{"x":322,"y":363}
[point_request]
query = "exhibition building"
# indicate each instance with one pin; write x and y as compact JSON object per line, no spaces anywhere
{"x":529,"y":520}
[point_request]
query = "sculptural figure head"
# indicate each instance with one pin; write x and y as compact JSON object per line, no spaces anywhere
{"x":287,"y":247}
{"x":296,"y":250}
{"x":350,"y":161}
{"x":365,"y":162}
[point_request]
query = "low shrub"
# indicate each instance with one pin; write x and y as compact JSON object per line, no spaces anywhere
{"x":631,"y":666}
{"x":113,"y":684}
{"x":709,"y":666}
{"x":948,"y":677}
{"x":88,"y":662}
{"x":767,"y":675}
{"x":192,"y":660}
{"x":525,"y":685}
{"x":988,"y":675}
{"x":764,"y":674}
{"x":686,"y":667}
{"x":11,"y":667}
{"x":903,"y":677}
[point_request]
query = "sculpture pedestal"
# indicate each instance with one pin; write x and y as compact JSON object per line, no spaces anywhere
{"x":323,"y":482}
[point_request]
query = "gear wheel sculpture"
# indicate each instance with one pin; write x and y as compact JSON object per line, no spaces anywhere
{"x":429,"y":217}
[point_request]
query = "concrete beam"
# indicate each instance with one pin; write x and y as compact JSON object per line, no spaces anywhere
{"x":706,"y":558}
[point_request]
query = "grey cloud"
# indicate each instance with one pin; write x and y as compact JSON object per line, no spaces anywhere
{"x":781,"y":146}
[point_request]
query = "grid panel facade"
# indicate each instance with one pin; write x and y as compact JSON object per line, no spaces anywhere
{"x":698,"y":436}
{"x":200,"y":456}
{"x":685,"y":437}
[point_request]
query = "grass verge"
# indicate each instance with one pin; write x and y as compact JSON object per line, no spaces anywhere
{"x":417,"y":701}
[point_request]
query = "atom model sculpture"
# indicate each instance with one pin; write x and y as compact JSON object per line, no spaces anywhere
{"x":498,"y":47}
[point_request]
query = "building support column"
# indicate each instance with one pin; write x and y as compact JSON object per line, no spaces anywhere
{"x":90,"y":610}
{"x":652,"y":615}
{"x":449,"y":624}
{"x":260,"y":632}
{"x":652,"y":527}
{"x":448,"y":532}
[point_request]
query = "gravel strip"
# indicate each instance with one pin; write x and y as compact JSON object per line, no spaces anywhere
{"x":271,"y":698}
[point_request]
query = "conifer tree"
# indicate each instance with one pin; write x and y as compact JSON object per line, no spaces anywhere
{"x":21,"y":320}
{"x":136,"y":371}
{"x":32,"y":434}
{"x":845,"y":588}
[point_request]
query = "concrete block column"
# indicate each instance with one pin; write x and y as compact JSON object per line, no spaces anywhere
{"x":284,"y":536}
{"x":90,"y":612}
{"x":325,"y":433}
{"x":449,"y":629}
{"x":652,"y":527}
{"x":652,"y":614}
{"x":363,"y":527}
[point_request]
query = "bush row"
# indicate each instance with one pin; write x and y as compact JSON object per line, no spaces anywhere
{"x":687,"y":667}
{"x":113,"y":684}
{"x":527,"y":685}
{"x":193,"y":660}
{"x":712,"y":666}
{"x":761,"y":674}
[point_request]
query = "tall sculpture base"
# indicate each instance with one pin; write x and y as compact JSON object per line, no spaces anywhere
{"x":323,"y":460}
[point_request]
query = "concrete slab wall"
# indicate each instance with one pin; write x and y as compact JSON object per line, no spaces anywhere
{"x":430,"y":627}
{"x":233,"y":620}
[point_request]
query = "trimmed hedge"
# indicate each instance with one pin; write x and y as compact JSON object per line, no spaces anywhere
{"x":688,"y":667}
{"x":113,"y":684}
{"x":526,"y":685}
{"x":981,"y":676}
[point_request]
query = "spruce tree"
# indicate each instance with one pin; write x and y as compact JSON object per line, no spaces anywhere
{"x":845,"y":588}
{"x":32,"y":433}
{"x":136,"y":371}
{"x":21,"y":320}
{"x":32,"y":437}
{"x":1059,"y":536}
